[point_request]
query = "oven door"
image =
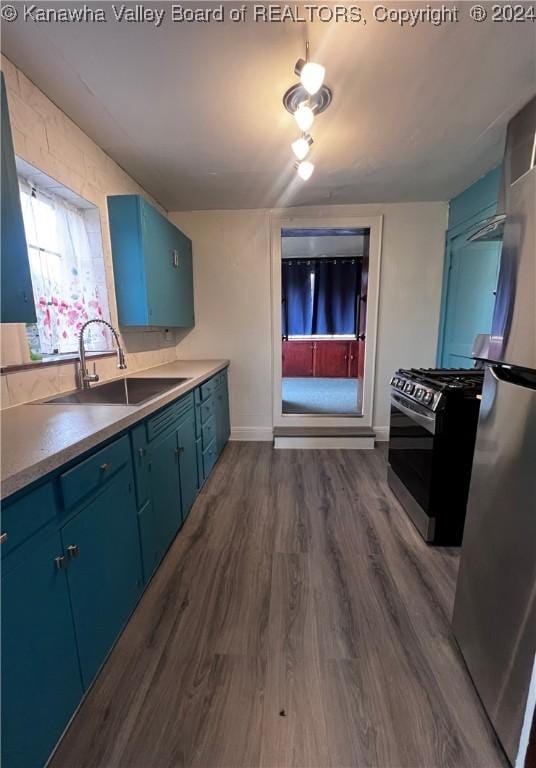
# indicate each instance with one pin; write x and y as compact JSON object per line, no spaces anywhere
{"x":411,"y":448}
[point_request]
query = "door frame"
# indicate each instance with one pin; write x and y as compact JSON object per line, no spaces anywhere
{"x":374,"y":224}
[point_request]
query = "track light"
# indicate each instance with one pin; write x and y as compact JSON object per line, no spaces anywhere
{"x":301,"y":146}
{"x":304,"y":116}
{"x":305,"y":169}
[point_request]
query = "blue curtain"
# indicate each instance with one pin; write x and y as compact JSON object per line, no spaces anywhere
{"x":319,"y":296}
{"x":336,"y":287}
{"x":297,"y":297}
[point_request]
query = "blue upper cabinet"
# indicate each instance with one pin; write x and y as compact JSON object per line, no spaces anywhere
{"x":152,"y":265}
{"x":470,"y":275}
{"x":17,"y":304}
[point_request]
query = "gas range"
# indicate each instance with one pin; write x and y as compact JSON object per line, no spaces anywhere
{"x":434,"y":414}
{"x":432,"y":387}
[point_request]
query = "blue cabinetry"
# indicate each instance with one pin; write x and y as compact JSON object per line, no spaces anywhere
{"x":152,"y":265}
{"x":41,"y":683}
{"x":104,"y":570}
{"x":72,"y":561}
{"x":470,"y":274}
{"x":16,"y":305}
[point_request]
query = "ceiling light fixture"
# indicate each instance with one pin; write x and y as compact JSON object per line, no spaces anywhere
{"x":305,"y":100}
{"x":301,"y":146}
{"x":305,"y":169}
{"x":304,"y":116}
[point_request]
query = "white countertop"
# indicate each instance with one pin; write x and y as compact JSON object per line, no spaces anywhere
{"x":37,"y":438}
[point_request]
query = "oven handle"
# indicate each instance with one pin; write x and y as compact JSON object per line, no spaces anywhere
{"x":425,"y":421}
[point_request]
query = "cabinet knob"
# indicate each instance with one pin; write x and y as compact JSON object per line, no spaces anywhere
{"x":59,"y":562}
{"x":105,"y":467}
{"x":179,"y":450}
{"x":141,"y":452}
{"x":3,"y":538}
{"x":73,"y":551}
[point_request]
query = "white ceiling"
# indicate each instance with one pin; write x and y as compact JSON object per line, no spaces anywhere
{"x":194,"y":112}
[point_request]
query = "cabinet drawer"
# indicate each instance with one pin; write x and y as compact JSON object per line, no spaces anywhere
{"x":206,"y":409}
{"x":184,"y":405}
{"x":160,"y":422}
{"x":209,"y":431}
{"x":24,"y":517}
{"x":207,"y":389}
{"x":93,"y":473}
{"x":210,"y":456}
{"x":164,"y":419}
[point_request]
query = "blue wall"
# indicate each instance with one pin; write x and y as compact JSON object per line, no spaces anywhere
{"x":469,"y":273}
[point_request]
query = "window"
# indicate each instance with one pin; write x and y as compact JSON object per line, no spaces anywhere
{"x":319,"y":297}
{"x":67,"y":269}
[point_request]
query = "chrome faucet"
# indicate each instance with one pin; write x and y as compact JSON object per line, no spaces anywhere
{"x":84,"y":376}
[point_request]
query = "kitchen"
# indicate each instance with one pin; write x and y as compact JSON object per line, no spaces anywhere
{"x":191,"y":576}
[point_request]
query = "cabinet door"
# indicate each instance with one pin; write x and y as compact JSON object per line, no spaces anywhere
{"x":158,"y":265}
{"x":165,"y":488}
{"x":331,"y":359}
{"x":183,"y":300}
{"x":223,"y":428}
{"x":297,"y":358}
{"x":353,"y":368}
{"x":469,"y":298}
{"x":17,"y":305}
{"x":187,"y":463}
{"x":41,"y":683}
{"x":104,"y":577}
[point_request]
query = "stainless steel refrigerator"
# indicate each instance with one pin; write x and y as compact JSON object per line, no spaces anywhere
{"x":494,"y":618}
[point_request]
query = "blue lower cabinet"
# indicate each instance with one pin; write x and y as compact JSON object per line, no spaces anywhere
{"x":152,"y":547}
{"x":79,"y":549}
{"x":165,"y":488}
{"x":41,"y":684}
{"x":187,"y":462}
{"x":104,"y":575}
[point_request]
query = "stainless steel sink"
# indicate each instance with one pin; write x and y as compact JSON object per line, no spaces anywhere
{"x":130,"y":391}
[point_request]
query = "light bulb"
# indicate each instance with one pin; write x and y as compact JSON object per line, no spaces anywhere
{"x":301,"y":146}
{"x":312,"y":76}
{"x":305,"y":170}
{"x":304,"y":116}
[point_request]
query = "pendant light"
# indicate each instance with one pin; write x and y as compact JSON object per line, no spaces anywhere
{"x":301,"y":146}
{"x":311,"y":74}
{"x":305,"y":169}
{"x":304,"y":116}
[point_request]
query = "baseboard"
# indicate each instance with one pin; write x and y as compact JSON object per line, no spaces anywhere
{"x":382,"y":434}
{"x":348,"y":443}
{"x":252,"y":434}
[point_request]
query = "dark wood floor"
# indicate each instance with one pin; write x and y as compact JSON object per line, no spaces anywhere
{"x":297,"y":620}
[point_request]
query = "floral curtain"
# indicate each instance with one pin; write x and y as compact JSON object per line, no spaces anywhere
{"x":64,"y":272}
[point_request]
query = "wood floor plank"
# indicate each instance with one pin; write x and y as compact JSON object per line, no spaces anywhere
{"x":297,"y":620}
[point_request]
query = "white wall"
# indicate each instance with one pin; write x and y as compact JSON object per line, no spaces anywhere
{"x":232,"y":293}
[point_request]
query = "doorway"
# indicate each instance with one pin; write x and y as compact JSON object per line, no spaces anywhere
{"x":324,"y":275}
{"x":322,"y":279}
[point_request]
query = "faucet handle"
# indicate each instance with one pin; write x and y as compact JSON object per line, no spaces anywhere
{"x":95,"y":376}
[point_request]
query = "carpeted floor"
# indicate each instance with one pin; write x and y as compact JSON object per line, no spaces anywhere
{"x":320,"y":395}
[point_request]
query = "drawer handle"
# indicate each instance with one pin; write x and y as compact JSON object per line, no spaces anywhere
{"x":3,"y":538}
{"x":73,"y":551}
{"x":105,"y":467}
{"x":59,"y":562}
